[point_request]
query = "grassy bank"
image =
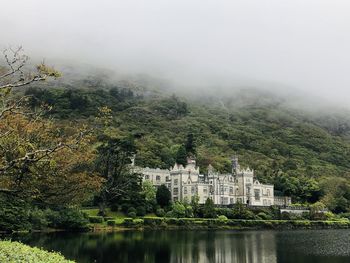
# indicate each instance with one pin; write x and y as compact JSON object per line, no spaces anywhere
{"x":118,"y":221}
{"x":20,"y":253}
{"x":99,"y":223}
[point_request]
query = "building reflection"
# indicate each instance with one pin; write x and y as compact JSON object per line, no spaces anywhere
{"x":224,"y":246}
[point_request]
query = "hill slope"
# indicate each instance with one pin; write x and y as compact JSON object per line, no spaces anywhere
{"x":300,"y":152}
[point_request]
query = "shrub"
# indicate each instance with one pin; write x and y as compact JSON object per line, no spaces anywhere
{"x":70,"y":218}
{"x":285,"y":216}
{"x":18,"y":252}
{"x":140,"y":211}
{"x":222,"y":219}
{"x":14,"y":215}
{"x":106,"y":218}
{"x":263,"y":216}
{"x":178,"y":210}
{"x":128,"y":222}
{"x":169,"y":214}
{"x":114,"y":207}
{"x":171,"y":221}
{"x":189,"y":211}
{"x":124,"y":208}
{"x":95,"y":219}
{"x":38,"y":219}
{"x":111,"y":222}
{"x":346,"y":215}
{"x":131,"y":209}
{"x":132,"y":214}
{"x":160,"y":212}
{"x":138,"y":222}
{"x":153,"y":221}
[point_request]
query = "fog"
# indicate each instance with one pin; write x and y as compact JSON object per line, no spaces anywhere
{"x":301,"y":46}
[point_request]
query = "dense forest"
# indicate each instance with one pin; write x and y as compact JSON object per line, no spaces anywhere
{"x":305,"y":155}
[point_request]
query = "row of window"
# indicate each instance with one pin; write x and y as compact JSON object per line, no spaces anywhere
{"x":157,"y":177}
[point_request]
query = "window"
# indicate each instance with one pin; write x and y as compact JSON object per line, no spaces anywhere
{"x":176,"y":181}
{"x":225,"y":189}
{"x":231,"y":201}
{"x":167,"y":178}
{"x":147,"y":177}
{"x":257,"y":194}
{"x":231,"y":190}
{"x":158,"y":178}
{"x":225,"y":200}
{"x":268,"y":192}
{"x":176,"y":191}
{"x":265,"y":202}
{"x":205,"y":190}
{"x":192,"y":190}
{"x":185,"y":190}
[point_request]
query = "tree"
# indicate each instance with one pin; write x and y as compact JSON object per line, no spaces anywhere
{"x":209,"y":209}
{"x":195,"y":205}
{"x":40,"y":160}
{"x":190,"y":145}
{"x":163,"y":196}
{"x":113,"y":165}
{"x":18,"y":153}
{"x":336,"y":194}
{"x":149,"y":192}
{"x":181,"y":156}
{"x":316,"y":210}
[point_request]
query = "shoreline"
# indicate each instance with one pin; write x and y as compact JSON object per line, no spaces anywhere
{"x":197,"y":224}
{"x":145,"y":224}
{"x":214,"y":224}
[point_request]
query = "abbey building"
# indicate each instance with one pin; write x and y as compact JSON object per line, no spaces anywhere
{"x":224,"y":189}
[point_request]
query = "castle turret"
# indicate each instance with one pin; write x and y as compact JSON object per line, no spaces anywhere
{"x":235,"y":165}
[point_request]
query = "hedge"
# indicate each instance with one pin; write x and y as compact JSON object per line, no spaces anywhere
{"x":159,"y":222}
{"x":111,"y":222}
{"x":130,"y":222}
{"x":96,"y":219}
{"x":20,"y":253}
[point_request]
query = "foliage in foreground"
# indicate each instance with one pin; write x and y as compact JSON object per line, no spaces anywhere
{"x":20,"y":253}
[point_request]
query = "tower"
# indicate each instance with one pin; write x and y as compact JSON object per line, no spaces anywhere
{"x":235,"y":165}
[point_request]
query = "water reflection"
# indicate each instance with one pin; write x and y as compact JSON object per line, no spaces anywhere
{"x":199,"y":246}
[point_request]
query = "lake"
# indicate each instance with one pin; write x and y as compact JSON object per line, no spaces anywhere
{"x":321,"y":246}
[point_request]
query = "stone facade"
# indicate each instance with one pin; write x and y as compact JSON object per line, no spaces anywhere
{"x":224,"y":189}
{"x":283,"y":201}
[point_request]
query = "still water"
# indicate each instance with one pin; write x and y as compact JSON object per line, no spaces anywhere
{"x":311,"y":246}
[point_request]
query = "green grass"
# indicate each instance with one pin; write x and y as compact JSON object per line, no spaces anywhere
{"x":19,"y":253}
{"x":109,"y":213}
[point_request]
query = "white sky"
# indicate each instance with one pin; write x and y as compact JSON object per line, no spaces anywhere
{"x":299,"y":43}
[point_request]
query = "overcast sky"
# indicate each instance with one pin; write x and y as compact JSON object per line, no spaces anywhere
{"x":297,"y":43}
